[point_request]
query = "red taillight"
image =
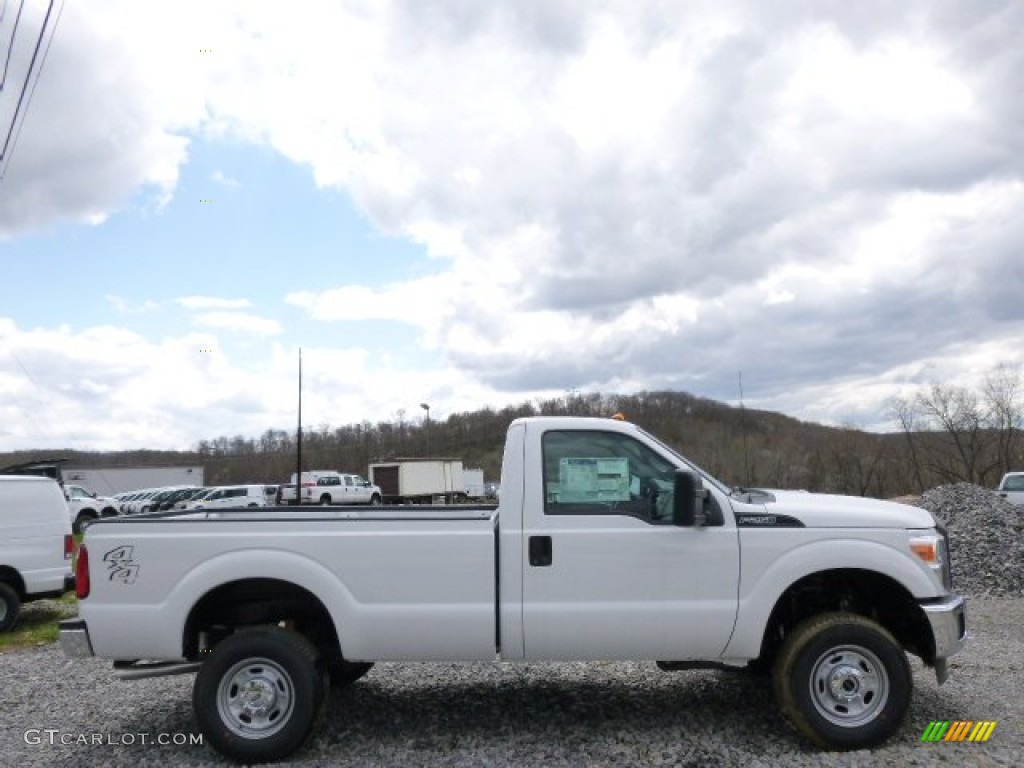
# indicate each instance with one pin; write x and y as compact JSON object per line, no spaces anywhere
{"x":309,"y":485}
{"x":69,"y":546}
{"x":82,"y":573}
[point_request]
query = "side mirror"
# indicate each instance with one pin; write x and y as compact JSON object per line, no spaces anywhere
{"x":688,"y":501}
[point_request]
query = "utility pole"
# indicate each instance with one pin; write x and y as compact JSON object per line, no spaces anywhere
{"x":426,"y":408}
{"x":298,"y":442}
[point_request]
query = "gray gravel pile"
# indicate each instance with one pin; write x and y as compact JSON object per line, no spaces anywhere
{"x":986,"y":535}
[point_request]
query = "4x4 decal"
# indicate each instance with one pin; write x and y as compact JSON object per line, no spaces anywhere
{"x":121,"y":564}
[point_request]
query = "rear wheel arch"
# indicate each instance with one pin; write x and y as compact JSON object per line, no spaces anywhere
{"x":11,"y":576}
{"x":259,"y":601}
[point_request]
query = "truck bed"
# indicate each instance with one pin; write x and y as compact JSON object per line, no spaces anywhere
{"x":399,"y":583}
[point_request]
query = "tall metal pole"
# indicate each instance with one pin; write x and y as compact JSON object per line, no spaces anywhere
{"x":426,"y":408}
{"x":743,"y":429}
{"x":298,"y":442}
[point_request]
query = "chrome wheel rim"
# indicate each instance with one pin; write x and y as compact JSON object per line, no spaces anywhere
{"x":849,"y":686}
{"x":255,"y":698}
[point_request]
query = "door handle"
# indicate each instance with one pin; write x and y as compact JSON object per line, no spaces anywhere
{"x":540,"y":550}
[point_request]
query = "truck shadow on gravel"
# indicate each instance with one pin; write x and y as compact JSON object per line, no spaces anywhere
{"x":548,"y":713}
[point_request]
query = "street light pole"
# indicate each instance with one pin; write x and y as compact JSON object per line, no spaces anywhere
{"x":426,"y":408}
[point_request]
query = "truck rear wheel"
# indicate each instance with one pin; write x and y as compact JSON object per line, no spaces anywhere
{"x":258,"y":695}
{"x":325,"y":499}
{"x":843,"y":681}
{"x":10,"y":606}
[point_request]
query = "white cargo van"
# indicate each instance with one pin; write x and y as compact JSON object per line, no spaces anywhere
{"x":35,"y":544}
{"x":229,"y":496}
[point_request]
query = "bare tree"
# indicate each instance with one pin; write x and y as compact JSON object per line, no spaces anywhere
{"x":1005,"y":401}
{"x":955,"y":434}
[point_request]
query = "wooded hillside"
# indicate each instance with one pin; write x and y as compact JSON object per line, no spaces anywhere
{"x":949,"y":435}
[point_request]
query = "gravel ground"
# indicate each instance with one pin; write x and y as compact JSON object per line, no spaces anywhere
{"x":601,"y":714}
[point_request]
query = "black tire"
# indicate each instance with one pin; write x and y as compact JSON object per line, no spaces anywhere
{"x":83,"y":519}
{"x":843,"y":681}
{"x":325,"y":500}
{"x":286,"y":691}
{"x":375,"y":500}
{"x":10,"y":607}
{"x":344,"y":673}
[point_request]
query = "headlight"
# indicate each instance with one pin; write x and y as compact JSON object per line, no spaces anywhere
{"x":931,"y":549}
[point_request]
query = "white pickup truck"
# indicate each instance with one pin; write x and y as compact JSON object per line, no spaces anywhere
{"x":1011,"y":487}
{"x":327,"y":487}
{"x":607,"y":544}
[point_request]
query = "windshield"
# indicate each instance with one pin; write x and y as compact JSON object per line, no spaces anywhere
{"x":708,"y":478}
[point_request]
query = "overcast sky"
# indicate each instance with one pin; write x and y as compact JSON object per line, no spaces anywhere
{"x":470,"y":203}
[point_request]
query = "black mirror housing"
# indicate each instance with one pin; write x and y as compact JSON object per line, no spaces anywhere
{"x":688,"y":502}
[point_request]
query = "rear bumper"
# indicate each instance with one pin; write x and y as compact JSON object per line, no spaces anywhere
{"x":74,"y":639}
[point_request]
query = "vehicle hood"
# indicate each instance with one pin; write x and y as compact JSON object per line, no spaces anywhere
{"x":821,"y":510}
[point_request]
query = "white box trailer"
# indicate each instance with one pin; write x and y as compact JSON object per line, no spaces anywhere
{"x":474,"y":479}
{"x":419,"y":481}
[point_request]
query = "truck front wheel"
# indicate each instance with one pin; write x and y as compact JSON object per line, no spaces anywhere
{"x":258,"y":695}
{"x":843,"y":681}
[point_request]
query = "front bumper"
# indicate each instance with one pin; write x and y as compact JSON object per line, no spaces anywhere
{"x":948,"y":621}
{"x":74,"y":639}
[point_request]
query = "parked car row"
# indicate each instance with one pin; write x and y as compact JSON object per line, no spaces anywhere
{"x":192,"y":497}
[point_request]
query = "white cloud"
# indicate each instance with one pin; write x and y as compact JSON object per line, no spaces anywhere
{"x":126,"y":306}
{"x":219,"y":177}
{"x":107,"y":388}
{"x":238,"y":321}
{"x":212,"y":302}
{"x":609,"y":192}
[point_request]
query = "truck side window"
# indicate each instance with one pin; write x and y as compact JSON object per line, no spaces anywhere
{"x":605,"y":473}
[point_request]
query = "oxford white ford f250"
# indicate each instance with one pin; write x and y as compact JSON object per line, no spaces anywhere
{"x":607,"y":544}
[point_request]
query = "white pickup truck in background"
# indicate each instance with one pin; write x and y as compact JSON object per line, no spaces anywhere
{"x":606,"y":545}
{"x":328,"y":487}
{"x":84,"y":506}
{"x":1011,"y":487}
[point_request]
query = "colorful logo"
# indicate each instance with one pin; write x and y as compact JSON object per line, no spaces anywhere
{"x":958,"y":730}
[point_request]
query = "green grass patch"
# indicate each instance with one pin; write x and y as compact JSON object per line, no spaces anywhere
{"x":37,"y":623}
